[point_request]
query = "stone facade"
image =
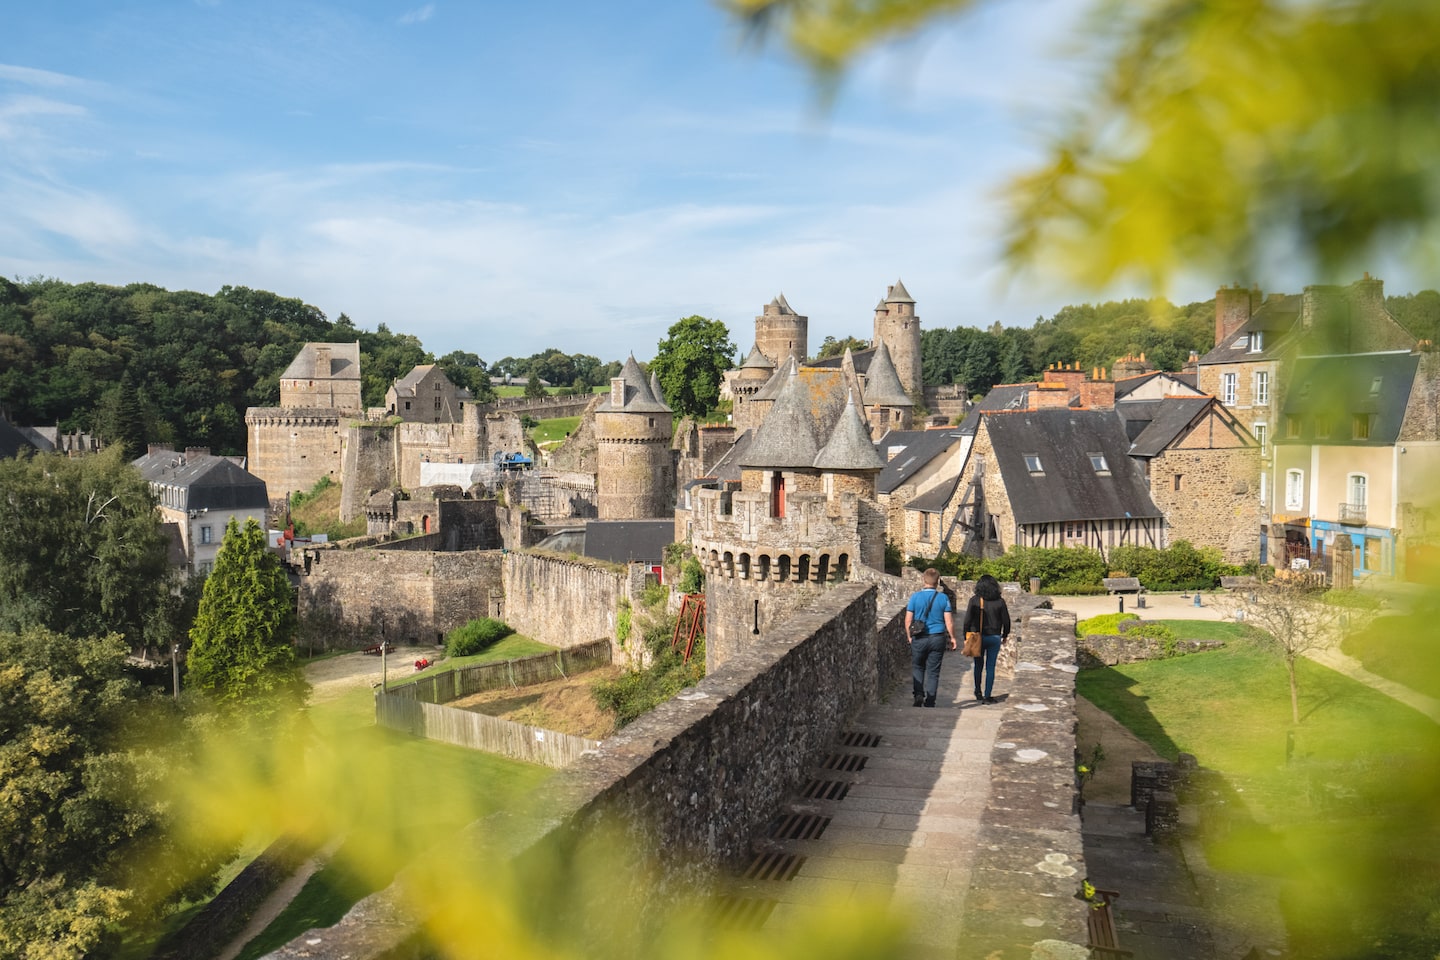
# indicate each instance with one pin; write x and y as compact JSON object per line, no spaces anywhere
{"x":636,"y":468}
{"x":897,"y":326}
{"x":1210,"y":498}
{"x":781,"y":333}
{"x":425,"y":395}
{"x":567,"y":602}
{"x":292,"y":448}
{"x":323,"y":376}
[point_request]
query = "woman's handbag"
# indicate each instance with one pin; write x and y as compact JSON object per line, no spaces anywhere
{"x":972,"y":646}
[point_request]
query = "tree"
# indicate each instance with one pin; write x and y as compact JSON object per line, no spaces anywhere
{"x":1212,"y":130}
{"x":830,"y":347}
{"x":533,"y":387}
{"x":242,"y":645}
{"x":1298,"y":621}
{"x":81,"y":550}
{"x":690,"y":363}
{"x":84,"y":850}
{"x":468,"y":370}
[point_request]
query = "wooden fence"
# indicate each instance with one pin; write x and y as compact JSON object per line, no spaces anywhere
{"x":477,"y":731}
{"x":444,"y":687}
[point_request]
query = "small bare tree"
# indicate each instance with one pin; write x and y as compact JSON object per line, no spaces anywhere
{"x":1293,"y":612}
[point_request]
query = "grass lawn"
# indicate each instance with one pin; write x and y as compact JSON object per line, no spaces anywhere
{"x":1402,"y":648}
{"x":512,"y":647}
{"x":1348,"y":824}
{"x":1207,"y":630}
{"x":554,"y":429}
{"x":407,"y":795}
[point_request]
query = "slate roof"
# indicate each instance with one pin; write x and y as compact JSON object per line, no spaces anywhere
{"x":657,"y":391}
{"x":1005,"y":396}
{"x":1136,"y":415}
{"x":1340,"y":387}
{"x":12,"y":441}
{"x":344,"y":362}
{"x":1274,"y":318}
{"x":935,"y":499}
{"x":1069,"y":487}
{"x":214,"y":483}
{"x":777,"y":380}
{"x":849,"y":446}
{"x":638,"y":398}
{"x":1171,"y":417}
{"x":898,"y":294}
{"x":925,"y":447}
{"x":626,"y":541}
{"x":882,"y":384}
{"x":728,"y":466}
{"x":406,"y":385}
{"x":787,"y":437}
{"x":861,"y":359}
{"x":757,"y":360}
{"x":784,"y":306}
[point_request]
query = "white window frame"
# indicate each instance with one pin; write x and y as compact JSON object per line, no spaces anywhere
{"x":1262,"y":387}
{"x":1257,"y":341}
{"x":1033,"y":464}
{"x":1363,"y":487}
{"x":1294,"y":489}
{"x":1262,"y":436}
{"x":1228,"y":388}
{"x":206,"y":534}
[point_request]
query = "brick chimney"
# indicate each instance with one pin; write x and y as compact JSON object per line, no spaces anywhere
{"x":1049,"y":394}
{"x":1098,"y":391}
{"x":1192,"y":364}
{"x":1072,"y":377}
{"x":1233,"y":306}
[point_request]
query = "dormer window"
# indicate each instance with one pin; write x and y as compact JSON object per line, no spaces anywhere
{"x":1257,"y":341}
{"x":1375,"y":386}
{"x":1032,"y":463}
{"x":1097,"y":461}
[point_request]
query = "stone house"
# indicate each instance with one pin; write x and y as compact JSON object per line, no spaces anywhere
{"x":200,"y":494}
{"x":917,"y":462}
{"x":425,"y":395}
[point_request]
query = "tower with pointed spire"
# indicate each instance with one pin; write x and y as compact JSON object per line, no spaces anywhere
{"x":748,"y":379}
{"x":635,"y":470}
{"x":780,"y":332}
{"x":887,"y":405}
{"x":897,"y":326}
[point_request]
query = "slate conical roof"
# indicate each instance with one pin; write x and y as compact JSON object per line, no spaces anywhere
{"x":785,"y":307}
{"x":850,"y":446}
{"x":882,"y":383}
{"x":772,"y":387}
{"x":656,"y":391}
{"x":757,"y":360}
{"x":638,"y":396}
{"x":786,"y":438}
{"x":898,"y":293}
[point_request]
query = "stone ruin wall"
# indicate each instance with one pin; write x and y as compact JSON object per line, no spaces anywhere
{"x":566,"y":602}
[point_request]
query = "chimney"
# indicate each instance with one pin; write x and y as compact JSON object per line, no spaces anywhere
{"x":1048,"y":395}
{"x":1192,"y":364}
{"x":154,"y":448}
{"x":1098,"y":392}
{"x":196,"y":452}
{"x":1070,"y":377}
{"x":1233,"y":306}
{"x":322,"y":361}
{"x":617,"y":392}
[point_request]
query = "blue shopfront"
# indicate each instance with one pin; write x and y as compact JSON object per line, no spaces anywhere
{"x":1373,"y":547}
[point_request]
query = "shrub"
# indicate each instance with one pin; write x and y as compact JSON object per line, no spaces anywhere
{"x":957,"y":565}
{"x":622,"y":622}
{"x":692,"y":576}
{"x":1178,"y":567}
{"x":1076,"y":589}
{"x":1074,"y":567}
{"x":654,"y":595}
{"x":475,"y":636}
{"x":1106,"y":623}
{"x":1150,"y":630}
{"x":638,"y":691}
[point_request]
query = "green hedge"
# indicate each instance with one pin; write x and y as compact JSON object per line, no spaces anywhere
{"x":1080,"y":570}
{"x":475,"y":637}
{"x":1106,"y":624}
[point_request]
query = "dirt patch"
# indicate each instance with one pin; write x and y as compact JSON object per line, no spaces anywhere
{"x":562,"y":705}
{"x":334,"y":676}
{"x":1111,"y":783}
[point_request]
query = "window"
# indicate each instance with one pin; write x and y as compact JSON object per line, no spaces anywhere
{"x":204,"y":568}
{"x":1227,"y":389}
{"x":437,"y":403}
{"x":1097,"y":461}
{"x":407,"y":404}
{"x":1032,"y":463}
{"x":1356,"y":485}
{"x":1360,"y":426}
{"x":1176,"y":480}
{"x":1372,"y":555}
{"x":1292,"y":426}
{"x":1323,"y":428}
{"x":1294,"y":489}
{"x":1262,"y":387}
{"x":1262,"y":433}
{"x":1257,"y":341}
{"x":1375,"y":386}
{"x":206,"y":535}
{"x":924,"y":526}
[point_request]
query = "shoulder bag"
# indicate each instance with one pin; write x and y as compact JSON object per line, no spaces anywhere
{"x":972,"y":646}
{"x":918,"y":625}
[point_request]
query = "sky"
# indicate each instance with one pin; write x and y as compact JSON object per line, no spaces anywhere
{"x":504,"y":178}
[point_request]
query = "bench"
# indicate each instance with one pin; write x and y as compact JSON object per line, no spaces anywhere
{"x":374,"y":649}
{"x":1122,"y":584}
{"x":1104,"y":941}
{"x":1239,"y":583}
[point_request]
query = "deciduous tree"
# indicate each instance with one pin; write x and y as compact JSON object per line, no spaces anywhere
{"x":1292,"y":612}
{"x":690,"y":363}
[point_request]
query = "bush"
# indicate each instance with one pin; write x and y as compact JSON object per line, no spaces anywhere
{"x":1076,"y":568}
{"x":637,"y":691}
{"x":692,"y":576}
{"x":1076,"y":589}
{"x":1150,"y":630}
{"x":1106,"y":623}
{"x":956,"y":565}
{"x":475,"y":636}
{"x":654,"y":595}
{"x":1178,"y":567}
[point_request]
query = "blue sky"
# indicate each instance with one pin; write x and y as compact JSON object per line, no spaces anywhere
{"x":507,"y":177}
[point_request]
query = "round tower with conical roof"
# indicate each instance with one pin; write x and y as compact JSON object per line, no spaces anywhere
{"x":887,"y":405}
{"x":780,"y":332}
{"x":753,"y":373}
{"x":897,"y":326}
{"x":635,"y":474}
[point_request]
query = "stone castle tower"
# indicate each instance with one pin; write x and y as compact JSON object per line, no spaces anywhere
{"x":636,"y":470}
{"x":780,"y":332}
{"x":897,"y":326}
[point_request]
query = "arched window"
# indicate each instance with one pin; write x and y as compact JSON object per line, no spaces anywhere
{"x":804,"y":573}
{"x":728,"y":564}
{"x":842,"y":568}
{"x":744,"y":566}
{"x":764,"y":573}
{"x":823,"y":575}
{"x":784,"y":568}
{"x":1294,"y":489}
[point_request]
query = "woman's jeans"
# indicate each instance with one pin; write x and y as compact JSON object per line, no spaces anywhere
{"x":989,"y":650}
{"x":925,"y":655}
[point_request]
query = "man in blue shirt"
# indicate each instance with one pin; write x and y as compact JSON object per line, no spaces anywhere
{"x":931,"y":629}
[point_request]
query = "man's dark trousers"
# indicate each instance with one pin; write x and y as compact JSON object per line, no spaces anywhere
{"x":925,"y":654}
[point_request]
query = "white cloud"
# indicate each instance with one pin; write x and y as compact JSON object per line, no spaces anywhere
{"x":418,"y":15}
{"x":31,"y":77}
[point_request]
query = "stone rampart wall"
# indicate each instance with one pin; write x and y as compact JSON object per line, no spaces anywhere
{"x":543,"y":408}
{"x":566,"y":602}
{"x":1107,"y":650}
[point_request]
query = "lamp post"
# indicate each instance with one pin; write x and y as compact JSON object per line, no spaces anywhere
{"x":175,"y":667}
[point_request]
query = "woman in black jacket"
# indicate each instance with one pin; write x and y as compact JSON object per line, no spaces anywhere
{"x":988,"y":615}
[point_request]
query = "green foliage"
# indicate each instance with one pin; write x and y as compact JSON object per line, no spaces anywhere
{"x":81,"y":550}
{"x":623,"y":622}
{"x":1177,"y":567}
{"x":467,"y":370}
{"x":534,"y":388}
{"x":637,"y":691}
{"x":654,"y":595}
{"x":690,"y":362}
{"x":89,"y":852}
{"x":692,"y":576}
{"x":1106,"y":623}
{"x":242,"y":652}
{"x":475,"y":636}
{"x":958,"y":565}
{"x":1352,"y":599}
{"x":830,"y":347}
{"x":1161,"y":633}
{"x":1071,"y":570}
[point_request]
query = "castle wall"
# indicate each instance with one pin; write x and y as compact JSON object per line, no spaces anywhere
{"x":636,"y":475}
{"x":341,"y":395}
{"x":292,"y":449}
{"x":566,"y":602}
{"x":400,"y":595}
{"x":368,"y":466}
{"x":899,"y":327}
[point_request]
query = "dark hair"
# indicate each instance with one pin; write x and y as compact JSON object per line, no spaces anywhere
{"x":987,"y":588}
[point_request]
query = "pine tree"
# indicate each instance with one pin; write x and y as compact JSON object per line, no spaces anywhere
{"x":242,"y":649}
